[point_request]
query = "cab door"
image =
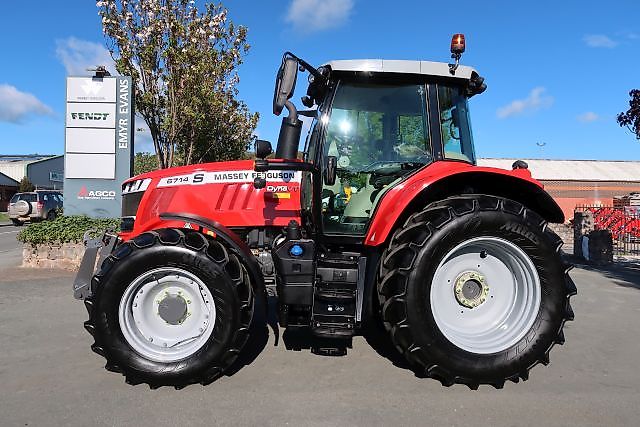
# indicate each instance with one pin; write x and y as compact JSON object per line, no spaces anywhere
{"x":377,"y":134}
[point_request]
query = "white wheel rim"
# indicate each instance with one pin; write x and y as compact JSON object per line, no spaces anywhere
{"x":511,"y":289}
{"x":153,"y":336}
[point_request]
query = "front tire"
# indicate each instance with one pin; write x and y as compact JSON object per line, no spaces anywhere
{"x":473,"y":291}
{"x":170,"y":308}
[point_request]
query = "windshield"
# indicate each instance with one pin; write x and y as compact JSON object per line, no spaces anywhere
{"x":378,"y":133}
{"x":374,"y":125}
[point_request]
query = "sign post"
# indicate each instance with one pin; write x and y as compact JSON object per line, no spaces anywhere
{"x":98,"y":144}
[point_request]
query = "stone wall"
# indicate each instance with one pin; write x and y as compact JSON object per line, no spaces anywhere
{"x":565,"y":231}
{"x":66,"y":256}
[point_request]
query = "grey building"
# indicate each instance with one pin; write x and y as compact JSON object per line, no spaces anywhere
{"x":46,"y":172}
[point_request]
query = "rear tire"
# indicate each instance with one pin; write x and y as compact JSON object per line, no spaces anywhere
{"x":174,"y":268}
{"x":517,"y":260}
{"x":16,"y":222}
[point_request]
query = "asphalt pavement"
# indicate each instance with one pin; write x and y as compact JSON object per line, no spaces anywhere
{"x":10,"y":251}
{"x":50,"y":377}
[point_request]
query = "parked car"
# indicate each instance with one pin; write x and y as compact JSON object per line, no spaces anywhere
{"x":35,"y":206}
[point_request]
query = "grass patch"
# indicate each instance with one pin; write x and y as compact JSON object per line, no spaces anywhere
{"x":65,"y":229}
{"x":4,"y":217}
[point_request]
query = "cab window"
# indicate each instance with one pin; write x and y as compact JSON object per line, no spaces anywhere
{"x":457,"y":140}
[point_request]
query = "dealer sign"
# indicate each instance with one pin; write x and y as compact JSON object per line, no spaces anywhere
{"x":98,"y":144}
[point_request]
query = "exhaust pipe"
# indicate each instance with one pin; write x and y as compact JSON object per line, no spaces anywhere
{"x":289,"y":137}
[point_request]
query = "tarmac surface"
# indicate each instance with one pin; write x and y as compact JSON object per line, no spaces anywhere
{"x":50,"y":377}
{"x":10,"y":251}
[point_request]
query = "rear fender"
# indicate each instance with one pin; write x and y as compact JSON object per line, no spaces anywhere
{"x":436,"y":184}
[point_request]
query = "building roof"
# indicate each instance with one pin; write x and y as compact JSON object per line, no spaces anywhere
{"x":440,"y":69}
{"x":15,"y":166}
{"x":574,"y":170}
{"x":27,"y":158}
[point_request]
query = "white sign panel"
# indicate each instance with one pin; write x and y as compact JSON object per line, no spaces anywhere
{"x":87,"y":140}
{"x":89,"y":166}
{"x":89,"y":89}
{"x":56,"y":176}
{"x":91,"y":115}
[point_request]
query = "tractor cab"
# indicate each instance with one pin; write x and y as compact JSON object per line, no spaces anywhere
{"x":374,"y":123}
{"x":381,"y":121}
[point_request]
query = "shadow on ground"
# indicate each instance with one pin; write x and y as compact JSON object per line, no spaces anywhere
{"x":625,"y":273}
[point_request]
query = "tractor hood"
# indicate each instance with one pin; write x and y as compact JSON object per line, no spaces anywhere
{"x":223,"y":192}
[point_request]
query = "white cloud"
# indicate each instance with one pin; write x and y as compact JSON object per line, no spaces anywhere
{"x":536,"y":100}
{"x":587,"y":117}
{"x":77,"y":55}
{"x":599,"y":40}
{"x":15,"y":105}
{"x":316,"y":15}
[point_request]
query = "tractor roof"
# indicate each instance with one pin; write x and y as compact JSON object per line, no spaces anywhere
{"x":440,"y":69}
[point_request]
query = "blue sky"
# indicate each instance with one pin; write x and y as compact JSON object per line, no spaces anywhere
{"x":558,"y":71}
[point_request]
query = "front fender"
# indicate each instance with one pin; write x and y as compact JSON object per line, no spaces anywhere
{"x":444,"y":179}
{"x":218,"y":231}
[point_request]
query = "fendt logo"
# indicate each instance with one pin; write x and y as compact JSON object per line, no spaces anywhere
{"x":89,"y":116}
{"x":85,"y":194}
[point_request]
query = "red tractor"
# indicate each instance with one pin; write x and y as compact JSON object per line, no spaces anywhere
{"x":385,"y":228}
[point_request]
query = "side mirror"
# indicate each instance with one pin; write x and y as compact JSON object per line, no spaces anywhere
{"x":263,"y":149}
{"x":331,"y":170}
{"x":285,"y":83}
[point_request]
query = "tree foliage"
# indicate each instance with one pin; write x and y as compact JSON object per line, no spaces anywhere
{"x":26,"y":185}
{"x":631,"y":118}
{"x":184,"y":61}
{"x":144,"y":162}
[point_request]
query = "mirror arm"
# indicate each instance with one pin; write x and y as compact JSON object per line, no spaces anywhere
{"x":313,"y":71}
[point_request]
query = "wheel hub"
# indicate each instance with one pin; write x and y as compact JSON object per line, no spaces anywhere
{"x":485,"y":294}
{"x":471,"y":289}
{"x":167,"y":314}
{"x":173,"y":309}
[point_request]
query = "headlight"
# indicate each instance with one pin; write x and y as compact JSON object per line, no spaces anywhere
{"x":136,"y":186}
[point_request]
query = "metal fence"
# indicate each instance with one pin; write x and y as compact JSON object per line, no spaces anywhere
{"x":622,"y":221}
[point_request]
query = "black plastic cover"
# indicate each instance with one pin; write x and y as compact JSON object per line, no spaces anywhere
{"x":295,"y":273}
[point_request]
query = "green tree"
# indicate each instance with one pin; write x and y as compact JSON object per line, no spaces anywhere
{"x":26,"y":185}
{"x":144,"y":162}
{"x":631,"y":118}
{"x":184,"y":61}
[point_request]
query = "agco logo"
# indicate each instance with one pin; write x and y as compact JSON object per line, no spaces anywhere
{"x":85,"y":194}
{"x":89,"y":116}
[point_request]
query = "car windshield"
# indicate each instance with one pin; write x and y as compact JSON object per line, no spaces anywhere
{"x":27,"y":197}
